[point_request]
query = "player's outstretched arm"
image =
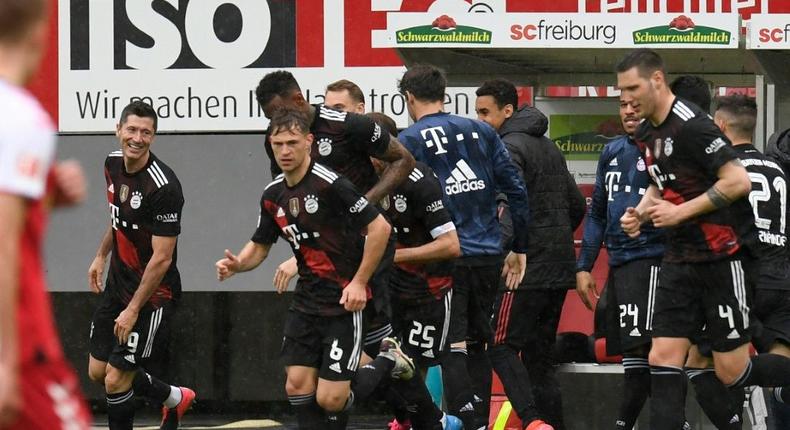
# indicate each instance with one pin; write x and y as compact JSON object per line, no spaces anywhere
{"x":96,"y":269}
{"x":355,"y":293}
{"x":401,"y":163}
{"x":445,"y":247}
{"x":12,"y":212}
{"x":250,"y":257}
{"x":733,"y":184}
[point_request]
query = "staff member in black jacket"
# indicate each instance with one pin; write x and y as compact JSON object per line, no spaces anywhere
{"x":526,"y":321}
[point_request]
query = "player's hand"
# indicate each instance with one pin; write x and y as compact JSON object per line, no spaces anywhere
{"x":664,"y":213}
{"x":10,"y":397}
{"x":284,"y":273}
{"x":227,"y":266}
{"x":586,"y":287}
{"x":355,"y":295}
{"x":124,"y":325}
{"x":70,"y":185}
{"x":95,"y":274}
{"x":513,"y":269}
{"x":631,"y":221}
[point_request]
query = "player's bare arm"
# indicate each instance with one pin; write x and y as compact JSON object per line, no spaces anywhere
{"x":12,"y":212}
{"x":633,"y":218}
{"x":401,"y":163}
{"x":250,"y":257}
{"x":155,"y":270}
{"x":733,"y":184}
{"x":96,"y":269}
{"x":445,"y":247}
{"x":355,"y":293}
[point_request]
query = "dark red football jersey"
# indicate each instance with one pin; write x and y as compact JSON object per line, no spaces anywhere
{"x":344,"y":141}
{"x":323,"y":218}
{"x":418,"y":216}
{"x":143,"y":204}
{"x":684,"y":154}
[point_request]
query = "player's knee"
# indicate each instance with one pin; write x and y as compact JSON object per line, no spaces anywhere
{"x":295,"y":386}
{"x":116,"y":381}
{"x":697,"y":360}
{"x":665,"y":356}
{"x":97,"y":374}
{"x":729,"y":371}
{"x":332,"y":400}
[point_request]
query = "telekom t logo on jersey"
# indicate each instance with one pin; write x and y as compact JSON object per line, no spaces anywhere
{"x":612,"y":179}
{"x":435,"y":136}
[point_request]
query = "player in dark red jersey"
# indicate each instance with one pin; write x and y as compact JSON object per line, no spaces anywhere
{"x":697,"y":195}
{"x":143,"y":282}
{"x":38,"y":388}
{"x":324,"y":218}
{"x":344,"y":142}
{"x":346,"y":96}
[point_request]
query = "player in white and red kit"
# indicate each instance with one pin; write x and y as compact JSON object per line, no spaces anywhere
{"x":38,"y":388}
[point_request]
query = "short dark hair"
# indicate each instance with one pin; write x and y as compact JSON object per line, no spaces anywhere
{"x":694,"y":89}
{"x":384,"y":121}
{"x":17,"y":17}
{"x":285,"y":118}
{"x":345,"y":85}
{"x":645,"y":60}
{"x":502,"y":90}
{"x":278,"y":83}
{"x":426,"y":83}
{"x":141,"y":109}
{"x":742,"y":112}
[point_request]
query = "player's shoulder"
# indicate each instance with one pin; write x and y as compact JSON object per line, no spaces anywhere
{"x":114,"y":158}
{"x":274,"y":186}
{"x":162,"y":175}
{"x":692,"y":117}
{"x":421,"y":173}
{"x":20,"y":110}
{"x":324,"y":174}
{"x":332,"y":114}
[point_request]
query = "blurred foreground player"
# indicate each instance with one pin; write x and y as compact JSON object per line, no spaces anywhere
{"x":143,"y":283}
{"x":38,"y":389}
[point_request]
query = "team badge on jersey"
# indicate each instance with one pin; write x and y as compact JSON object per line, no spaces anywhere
{"x":400,"y":203}
{"x":124,"y":193}
{"x":293,"y":206}
{"x":136,"y":200}
{"x":668,"y":146}
{"x":640,"y":164}
{"x":324,"y":146}
{"x":311,"y":204}
{"x":385,"y":202}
